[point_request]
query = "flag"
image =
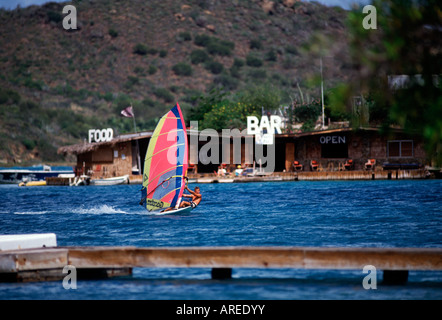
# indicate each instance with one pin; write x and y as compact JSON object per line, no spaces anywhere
{"x":128,"y":112}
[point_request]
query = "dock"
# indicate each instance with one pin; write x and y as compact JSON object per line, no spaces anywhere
{"x":314,"y":176}
{"x":281,"y":176}
{"x":47,"y":263}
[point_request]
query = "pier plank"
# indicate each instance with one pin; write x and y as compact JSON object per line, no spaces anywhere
{"x":33,"y":259}
{"x":258,"y":257}
{"x":47,"y":263}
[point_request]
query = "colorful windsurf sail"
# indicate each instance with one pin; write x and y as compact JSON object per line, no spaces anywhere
{"x":166,"y":163}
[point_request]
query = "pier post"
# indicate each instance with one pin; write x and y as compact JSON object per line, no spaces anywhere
{"x":221,"y":273}
{"x":395,"y":277}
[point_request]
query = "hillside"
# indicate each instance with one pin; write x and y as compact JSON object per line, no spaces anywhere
{"x":57,"y":84}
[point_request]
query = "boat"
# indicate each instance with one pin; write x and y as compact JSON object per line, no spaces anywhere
{"x":110,"y":181}
{"x":16,"y":175}
{"x":165,"y":165}
{"x":32,"y":183}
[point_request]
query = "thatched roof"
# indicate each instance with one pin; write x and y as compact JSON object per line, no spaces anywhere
{"x":88,"y":147}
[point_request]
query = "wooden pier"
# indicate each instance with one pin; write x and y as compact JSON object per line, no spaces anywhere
{"x":315,"y":176}
{"x":42,"y":264}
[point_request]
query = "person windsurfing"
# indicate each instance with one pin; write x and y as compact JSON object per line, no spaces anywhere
{"x":194,"y":195}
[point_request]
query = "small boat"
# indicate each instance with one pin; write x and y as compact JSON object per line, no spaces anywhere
{"x":110,"y":181}
{"x":165,"y":165}
{"x":17,"y":175}
{"x":32,"y":183}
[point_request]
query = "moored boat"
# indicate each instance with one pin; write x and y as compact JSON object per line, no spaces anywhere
{"x":17,"y":175}
{"x":110,"y":181}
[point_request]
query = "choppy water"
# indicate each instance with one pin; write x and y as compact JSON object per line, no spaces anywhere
{"x":403,"y":213}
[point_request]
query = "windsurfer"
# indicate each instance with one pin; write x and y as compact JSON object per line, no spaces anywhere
{"x":194,"y":195}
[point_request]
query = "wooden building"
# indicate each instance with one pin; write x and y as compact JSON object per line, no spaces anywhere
{"x":330,"y":149}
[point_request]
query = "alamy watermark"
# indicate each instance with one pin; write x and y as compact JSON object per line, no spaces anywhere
{"x":370,"y":20}
{"x":70,"y":20}
{"x":70,"y":281}
{"x":370,"y":280}
{"x":259,"y":145}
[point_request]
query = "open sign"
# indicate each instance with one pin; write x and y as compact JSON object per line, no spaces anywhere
{"x":332,"y":139}
{"x":96,"y":135}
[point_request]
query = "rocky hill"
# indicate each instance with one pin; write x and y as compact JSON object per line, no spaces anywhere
{"x":55,"y":84}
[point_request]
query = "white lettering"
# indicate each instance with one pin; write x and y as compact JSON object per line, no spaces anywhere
{"x":369,"y":281}
{"x":369,"y":21}
{"x":241,"y":309}
{"x":332,"y":139}
{"x":252,"y":125}
{"x":172,"y":153}
{"x":72,"y":277}
{"x":100,"y":135}
{"x":275,"y":123}
{"x":209,"y":153}
{"x":265,"y":124}
{"x":91,"y":135}
{"x":70,"y":21}
{"x":193,"y":310}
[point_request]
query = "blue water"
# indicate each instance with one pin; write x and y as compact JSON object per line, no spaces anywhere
{"x":403,"y":213}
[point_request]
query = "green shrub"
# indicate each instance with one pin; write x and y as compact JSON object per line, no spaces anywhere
{"x":271,"y":55}
{"x":198,"y":56}
{"x":29,"y":144}
{"x":227,"y":82}
{"x":291,"y":49}
{"x":164,"y":94}
{"x":54,"y":16}
{"x":255,"y":44}
{"x":202,"y":40}
{"x":220,"y":47}
{"x":163,"y":53}
{"x":288,"y":63}
{"x":8,"y":96}
{"x":131,"y":81}
{"x":182,"y":69}
{"x":148,"y":102}
{"x":139,"y":70}
{"x":308,"y":125}
{"x":257,"y":74}
{"x":238,"y":62}
{"x":108,"y":96}
{"x":152,"y":51}
{"x":28,"y":105}
{"x":185,"y":36}
{"x":235,"y":72}
{"x":113,"y":33}
{"x":253,"y":61}
{"x":140,"y":49}
{"x":214,"y":66}
{"x":174,"y":89}
{"x":306,"y":112}
{"x":152,"y":69}
{"x":33,"y":84}
{"x":214,"y":45}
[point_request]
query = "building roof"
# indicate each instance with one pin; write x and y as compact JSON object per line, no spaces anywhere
{"x":85,"y":147}
{"x":88,"y":147}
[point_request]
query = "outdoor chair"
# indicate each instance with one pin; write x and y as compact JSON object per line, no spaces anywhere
{"x":369,"y":165}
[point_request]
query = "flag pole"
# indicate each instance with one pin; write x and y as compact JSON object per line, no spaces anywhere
{"x":138,"y":147}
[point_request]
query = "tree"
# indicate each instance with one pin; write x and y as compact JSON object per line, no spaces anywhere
{"x":407,"y":42}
